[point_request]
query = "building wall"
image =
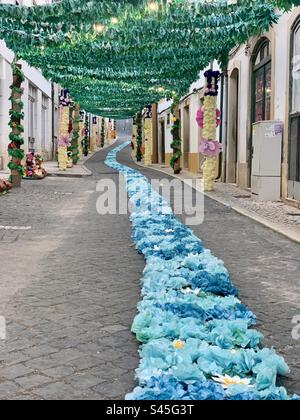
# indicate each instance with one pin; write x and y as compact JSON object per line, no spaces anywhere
{"x":236,"y":157}
{"x":45,"y":133}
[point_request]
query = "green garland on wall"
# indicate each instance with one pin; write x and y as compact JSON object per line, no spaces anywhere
{"x":15,"y":123}
{"x":85,"y":141}
{"x":139,"y":137}
{"x":76,"y":135}
{"x":176,"y":144}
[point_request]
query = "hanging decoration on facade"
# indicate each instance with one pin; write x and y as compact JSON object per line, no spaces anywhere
{"x":209,"y":118}
{"x":17,"y":129}
{"x":176,"y":144}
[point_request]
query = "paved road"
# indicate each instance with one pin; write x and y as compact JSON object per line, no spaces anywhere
{"x":69,"y":289}
{"x":70,"y":285}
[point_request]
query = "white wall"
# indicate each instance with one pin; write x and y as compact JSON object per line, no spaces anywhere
{"x":44,"y":87}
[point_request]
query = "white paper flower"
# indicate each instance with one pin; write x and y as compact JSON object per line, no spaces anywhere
{"x":227,"y":381}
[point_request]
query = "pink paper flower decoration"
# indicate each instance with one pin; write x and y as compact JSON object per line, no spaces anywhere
{"x":200,"y":117}
{"x":201,"y":114}
{"x":64,"y":141}
{"x":210,"y":148}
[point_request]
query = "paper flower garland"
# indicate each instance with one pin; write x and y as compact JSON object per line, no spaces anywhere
{"x":108,"y":72}
{"x":148,"y":138}
{"x":64,"y":138}
{"x":200,"y":117}
{"x":176,"y":144}
{"x":75,"y":135}
{"x":17,"y":129}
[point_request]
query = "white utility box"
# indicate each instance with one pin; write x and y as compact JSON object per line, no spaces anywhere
{"x":266,"y":162}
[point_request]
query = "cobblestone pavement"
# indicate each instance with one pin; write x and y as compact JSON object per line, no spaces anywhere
{"x":264,"y":265}
{"x":69,"y":289}
{"x":70,"y":285}
{"x":274,"y":211}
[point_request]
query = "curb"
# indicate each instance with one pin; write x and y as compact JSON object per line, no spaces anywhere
{"x":65,"y":174}
{"x":258,"y":219}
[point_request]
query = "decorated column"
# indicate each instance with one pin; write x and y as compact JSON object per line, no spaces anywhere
{"x":177,"y":143}
{"x":85,"y":141}
{"x":81,"y":133}
{"x":94,"y":134}
{"x":139,"y":137}
{"x":64,"y":141}
{"x":102,"y":132}
{"x":208,"y":118}
{"x":16,"y":117}
{"x":76,"y":135}
{"x":148,"y":136}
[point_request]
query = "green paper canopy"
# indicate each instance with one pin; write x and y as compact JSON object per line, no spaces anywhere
{"x":115,"y":57}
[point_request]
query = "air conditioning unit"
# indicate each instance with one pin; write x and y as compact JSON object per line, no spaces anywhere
{"x":266,"y":162}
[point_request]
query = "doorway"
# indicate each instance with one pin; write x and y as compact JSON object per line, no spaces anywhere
{"x":162,"y":142}
{"x":233,"y":128}
{"x":261,"y":90}
{"x":186,"y":137}
{"x":294,"y":134}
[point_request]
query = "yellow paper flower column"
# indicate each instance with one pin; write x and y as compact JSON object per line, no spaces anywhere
{"x":209,"y":132}
{"x":81,"y":136}
{"x":148,"y":137}
{"x":64,"y":138}
{"x":209,"y":146}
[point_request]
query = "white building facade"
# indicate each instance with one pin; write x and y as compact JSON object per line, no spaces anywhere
{"x":40,"y":105}
{"x":261,"y":83}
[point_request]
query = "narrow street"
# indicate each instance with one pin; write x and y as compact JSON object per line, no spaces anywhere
{"x":70,"y":310}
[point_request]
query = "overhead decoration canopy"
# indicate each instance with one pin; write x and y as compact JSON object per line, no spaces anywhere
{"x":117,"y":56}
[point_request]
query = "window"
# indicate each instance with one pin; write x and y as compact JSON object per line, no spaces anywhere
{"x":296,"y":69}
{"x":168,"y":119}
{"x":262,"y":82}
{"x":45,"y":108}
{"x":32,"y":98}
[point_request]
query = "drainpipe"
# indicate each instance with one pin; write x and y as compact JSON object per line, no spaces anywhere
{"x":225,"y":126}
{"x":53,"y":157}
{"x":221,"y":128}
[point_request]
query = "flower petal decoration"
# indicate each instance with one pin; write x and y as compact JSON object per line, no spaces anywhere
{"x":198,"y":341}
{"x":210,"y":148}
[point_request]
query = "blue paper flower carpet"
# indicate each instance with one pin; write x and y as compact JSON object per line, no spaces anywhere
{"x":198,"y":340}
